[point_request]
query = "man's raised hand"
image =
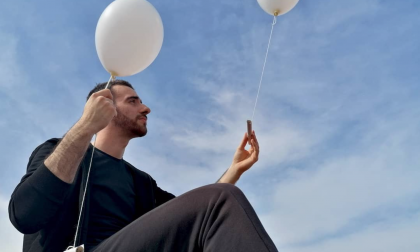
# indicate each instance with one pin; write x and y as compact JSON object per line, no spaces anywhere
{"x":98,"y":112}
{"x":245,"y":159}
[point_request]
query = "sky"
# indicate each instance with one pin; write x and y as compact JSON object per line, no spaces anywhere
{"x":338,"y":116}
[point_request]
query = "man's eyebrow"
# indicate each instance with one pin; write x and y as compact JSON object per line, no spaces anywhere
{"x":134,"y":97}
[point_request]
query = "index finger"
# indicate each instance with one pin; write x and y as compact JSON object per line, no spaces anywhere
{"x":105,"y":93}
{"x":244,"y":141}
{"x":255,"y":138}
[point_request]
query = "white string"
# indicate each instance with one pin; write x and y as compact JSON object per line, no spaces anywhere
{"x":87,"y":181}
{"x":265,"y":61}
{"x":111,"y":78}
{"x":84,"y":193}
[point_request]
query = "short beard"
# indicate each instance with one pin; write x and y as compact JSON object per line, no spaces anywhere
{"x":129,"y":125}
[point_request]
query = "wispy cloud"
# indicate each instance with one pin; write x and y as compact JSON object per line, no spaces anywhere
{"x":12,"y":239}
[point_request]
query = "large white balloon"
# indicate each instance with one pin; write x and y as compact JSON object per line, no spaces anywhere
{"x":129,"y":36}
{"x":277,"y":7}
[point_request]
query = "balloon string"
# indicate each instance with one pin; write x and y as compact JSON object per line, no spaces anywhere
{"x":84,"y":192}
{"x":87,"y":181}
{"x":111,"y":78}
{"x":265,"y":61}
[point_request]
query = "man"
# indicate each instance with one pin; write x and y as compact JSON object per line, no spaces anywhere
{"x":123,"y":208}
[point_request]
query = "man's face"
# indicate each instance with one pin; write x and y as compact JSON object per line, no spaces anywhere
{"x":131,"y":112}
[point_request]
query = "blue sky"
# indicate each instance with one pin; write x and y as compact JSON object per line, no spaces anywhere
{"x":338,"y":117}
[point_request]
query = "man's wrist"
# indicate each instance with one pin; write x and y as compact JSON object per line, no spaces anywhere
{"x":231,"y":176}
{"x":82,"y":129}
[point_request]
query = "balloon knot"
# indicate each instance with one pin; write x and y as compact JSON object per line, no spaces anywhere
{"x":112,"y":75}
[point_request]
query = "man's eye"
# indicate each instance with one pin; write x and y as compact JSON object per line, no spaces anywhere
{"x":132,"y":101}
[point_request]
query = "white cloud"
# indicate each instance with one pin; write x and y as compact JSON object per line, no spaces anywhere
{"x":318,"y":202}
{"x":9,"y":71}
{"x":10,"y":238}
{"x":313,"y":205}
{"x":383,"y":237}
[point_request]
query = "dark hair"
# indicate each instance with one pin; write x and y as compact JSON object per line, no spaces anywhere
{"x":102,"y":85}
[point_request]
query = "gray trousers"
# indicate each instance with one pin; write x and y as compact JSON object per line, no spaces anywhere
{"x":215,"y":217}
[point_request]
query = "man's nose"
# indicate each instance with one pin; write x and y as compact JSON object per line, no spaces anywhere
{"x":145,"y":110}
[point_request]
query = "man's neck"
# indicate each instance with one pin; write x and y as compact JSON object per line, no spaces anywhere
{"x":111,"y":145}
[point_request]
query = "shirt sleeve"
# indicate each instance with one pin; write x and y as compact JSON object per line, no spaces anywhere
{"x":161,"y":195}
{"x":39,"y":195}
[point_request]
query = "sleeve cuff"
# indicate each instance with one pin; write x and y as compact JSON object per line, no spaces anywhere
{"x":49,"y":185}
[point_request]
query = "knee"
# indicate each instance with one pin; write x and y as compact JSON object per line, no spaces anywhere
{"x":216,"y":195}
{"x":215,"y":192}
{"x":224,"y":189}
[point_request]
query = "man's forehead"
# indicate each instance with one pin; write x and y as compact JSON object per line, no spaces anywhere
{"x":122,"y":92}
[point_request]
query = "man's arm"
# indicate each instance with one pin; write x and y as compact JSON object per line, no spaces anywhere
{"x":242,"y":160}
{"x":66,"y":158}
{"x":51,"y":168}
{"x":229,"y":176}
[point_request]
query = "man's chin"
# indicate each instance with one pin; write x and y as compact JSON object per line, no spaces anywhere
{"x":140,"y":132}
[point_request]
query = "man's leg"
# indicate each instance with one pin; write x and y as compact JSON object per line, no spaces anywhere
{"x":216,"y":217}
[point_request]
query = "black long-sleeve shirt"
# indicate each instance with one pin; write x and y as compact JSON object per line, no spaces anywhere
{"x":45,"y":208}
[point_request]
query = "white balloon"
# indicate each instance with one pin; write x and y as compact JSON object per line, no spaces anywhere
{"x":277,"y":6}
{"x":129,"y":36}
